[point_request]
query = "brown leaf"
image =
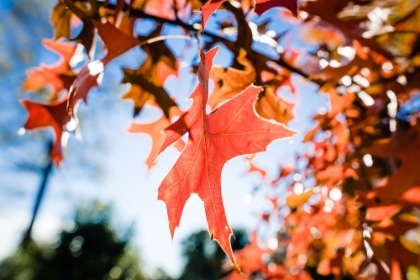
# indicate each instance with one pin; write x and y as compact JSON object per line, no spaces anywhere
{"x":148,"y":80}
{"x":60,"y":18}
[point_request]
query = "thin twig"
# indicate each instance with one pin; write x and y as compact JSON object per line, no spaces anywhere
{"x":164,"y":37}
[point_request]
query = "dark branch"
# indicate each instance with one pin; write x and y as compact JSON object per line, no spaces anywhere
{"x":230,"y":44}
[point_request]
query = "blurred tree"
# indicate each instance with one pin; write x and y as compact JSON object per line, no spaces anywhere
{"x":204,"y":258}
{"x":23,"y":25}
{"x":91,"y":249}
{"x":20,"y":49}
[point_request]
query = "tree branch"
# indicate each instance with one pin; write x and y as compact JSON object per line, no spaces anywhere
{"x":230,"y":44}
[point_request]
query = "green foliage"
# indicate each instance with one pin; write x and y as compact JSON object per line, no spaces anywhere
{"x":204,"y":258}
{"x":413,"y":273}
{"x":90,"y":250}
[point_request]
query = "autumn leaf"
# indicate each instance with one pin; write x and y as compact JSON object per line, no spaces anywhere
{"x":379,"y":213}
{"x":329,"y":11}
{"x":295,"y":200}
{"x":155,"y":130}
{"x":253,"y":168}
{"x":234,"y":129}
{"x":208,"y":9}
{"x":361,"y":166}
{"x":334,"y":173}
{"x":115,"y":40}
{"x":116,"y":43}
{"x":52,"y":115}
{"x":60,"y":18}
{"x":146,"y":86}
{"x":249,"y":258}
{"x":137,"y":94}
{"x":338,"y":103}
{"x":333,"y":74}
{"x":85,"y":12}
{"x":229,"y":82}
{"x":285,"y":170}
{"x":263,"y":5}
{"x":403,"y":188}
{"x":84,"y":82}
{"x":272,"y":107}
{"x":147,"y":81}
{"x":58,"y":75}
{"x":65,"y":50}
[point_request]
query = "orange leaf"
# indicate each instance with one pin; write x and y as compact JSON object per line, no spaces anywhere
{"x":155,"y":130}
{"x":295,"y":200}
{"x":58,"y":75}
{"x":403,"y":188}
{"x":229,"y":82}
{"x":272,"y":107}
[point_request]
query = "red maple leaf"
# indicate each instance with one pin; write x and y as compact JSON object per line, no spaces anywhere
{"x":263,"y":5}
{"x":208,"y":9}
{"x":54,"y":115}
{"x":85,"y":80}
{"x":232,"y":130}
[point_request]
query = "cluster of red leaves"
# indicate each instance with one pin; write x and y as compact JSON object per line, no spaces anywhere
{"x":354,"y":196}
{"x":361,"y":183}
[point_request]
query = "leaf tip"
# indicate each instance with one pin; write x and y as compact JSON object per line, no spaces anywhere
{"x":208,"y":9}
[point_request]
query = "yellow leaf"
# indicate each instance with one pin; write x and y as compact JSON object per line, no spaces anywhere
{"x":409,"y":245}
{"x":296,"y":200}
{"x":413,"y":273}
